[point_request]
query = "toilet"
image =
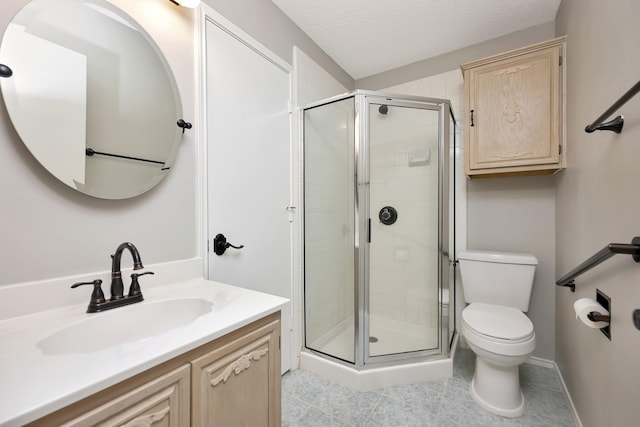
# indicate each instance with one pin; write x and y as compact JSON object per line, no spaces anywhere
{"x":497,"y":286}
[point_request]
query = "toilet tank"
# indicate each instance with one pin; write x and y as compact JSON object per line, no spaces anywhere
{"x":501,"y":278}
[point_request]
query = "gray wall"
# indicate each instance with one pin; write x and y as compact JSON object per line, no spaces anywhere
{"x":517,"y":214}
{"x":597,"y":203}
{"x":452,"y":60}
{"x":264,"y":21}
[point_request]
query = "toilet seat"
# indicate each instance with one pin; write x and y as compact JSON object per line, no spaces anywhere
{"x":498,"y":329}
{"x":496,"y":322}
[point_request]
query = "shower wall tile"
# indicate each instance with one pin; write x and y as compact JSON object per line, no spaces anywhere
{"x":413,"y":307}
{"x":400,"y":260}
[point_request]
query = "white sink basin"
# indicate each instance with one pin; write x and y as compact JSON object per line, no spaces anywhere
{"x":124,"y":325}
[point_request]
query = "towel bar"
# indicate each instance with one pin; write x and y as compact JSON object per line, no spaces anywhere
{"x":617,"y":123}
{"x":633,"y":249}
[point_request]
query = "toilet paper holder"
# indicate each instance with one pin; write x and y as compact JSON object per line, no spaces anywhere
{"x":594,"y":316}
{"x":595,"y":313}
{"x":605,"y":301}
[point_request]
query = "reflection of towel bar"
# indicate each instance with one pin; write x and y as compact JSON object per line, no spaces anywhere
{"x":5,"y":71}
{"x":91,"y":152}
{"x":602,"y":255}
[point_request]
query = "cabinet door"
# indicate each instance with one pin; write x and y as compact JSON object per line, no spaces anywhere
{"x":163,"y":402}
{"x":238,"y":384}
{"x":517,"y":113}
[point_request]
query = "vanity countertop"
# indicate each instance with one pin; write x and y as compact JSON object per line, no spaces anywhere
{"x":33,"y":384}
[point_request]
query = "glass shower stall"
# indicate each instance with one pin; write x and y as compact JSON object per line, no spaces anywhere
{"x":379,"y":228}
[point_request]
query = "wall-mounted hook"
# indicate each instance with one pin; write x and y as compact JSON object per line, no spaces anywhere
{"x":5,"y":71}
{"x":184,"y":125}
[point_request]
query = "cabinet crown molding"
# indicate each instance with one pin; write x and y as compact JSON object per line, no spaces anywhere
{"x":558,"y":41}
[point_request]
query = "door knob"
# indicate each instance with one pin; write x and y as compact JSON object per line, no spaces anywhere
{"x":220,"y":244}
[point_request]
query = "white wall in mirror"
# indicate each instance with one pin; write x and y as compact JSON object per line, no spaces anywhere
{"x":66,"y":55}
{"x":43,"y":95}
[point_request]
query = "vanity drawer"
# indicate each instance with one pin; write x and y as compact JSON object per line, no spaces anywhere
{"x":162,"y":402}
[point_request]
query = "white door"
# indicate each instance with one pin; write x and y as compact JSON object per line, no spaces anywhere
{"x":248,"y":150}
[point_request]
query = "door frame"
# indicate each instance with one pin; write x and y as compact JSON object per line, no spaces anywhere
{"x":208,"y":14}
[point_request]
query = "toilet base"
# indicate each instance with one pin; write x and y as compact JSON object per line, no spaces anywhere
{"x":497,"y":389}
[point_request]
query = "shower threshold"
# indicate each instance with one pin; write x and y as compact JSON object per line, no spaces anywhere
{"x":393,"y":337}
{"x":424,"y":369}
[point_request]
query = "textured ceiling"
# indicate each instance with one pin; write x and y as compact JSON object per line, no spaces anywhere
{"x":366,"y":37}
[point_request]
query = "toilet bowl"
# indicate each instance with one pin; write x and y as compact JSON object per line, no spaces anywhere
{"x":497,"y":286}
{"x":502,"y":339}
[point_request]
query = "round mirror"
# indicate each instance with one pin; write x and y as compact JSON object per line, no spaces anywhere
{"x":91,"y":96}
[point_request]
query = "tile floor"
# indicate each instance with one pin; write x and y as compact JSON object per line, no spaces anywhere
{"x":310,"y":400}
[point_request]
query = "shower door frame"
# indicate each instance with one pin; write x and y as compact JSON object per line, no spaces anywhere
{"x":362,"y":297}
{"x":362,"y":99}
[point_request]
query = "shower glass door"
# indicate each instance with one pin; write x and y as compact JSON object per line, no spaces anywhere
{"x":403,"y":262}
{"x":330,"y":228}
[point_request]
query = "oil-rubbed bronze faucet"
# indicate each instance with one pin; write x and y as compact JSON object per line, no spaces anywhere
{"x":117,"y":288}
{"x":118,"y":299}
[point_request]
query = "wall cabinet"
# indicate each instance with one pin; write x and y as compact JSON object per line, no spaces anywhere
{"x":231,"y":381}
{"x":515,"y":104}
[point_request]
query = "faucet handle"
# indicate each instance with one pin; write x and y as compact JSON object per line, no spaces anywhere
{"x":97,"y":296}
{"x":134,"y":289}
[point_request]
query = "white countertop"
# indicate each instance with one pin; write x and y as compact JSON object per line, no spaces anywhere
{"x":33,"y":384}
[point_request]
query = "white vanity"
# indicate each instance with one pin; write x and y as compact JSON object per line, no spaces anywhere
{"x":194,"y":352}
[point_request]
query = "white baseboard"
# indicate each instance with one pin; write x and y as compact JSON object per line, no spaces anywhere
{"x":546,"y":363}
{"x":539,"y":361}
{"x":572,"y":408}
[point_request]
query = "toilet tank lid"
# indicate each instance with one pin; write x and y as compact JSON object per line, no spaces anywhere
{"x":499,"y":257}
